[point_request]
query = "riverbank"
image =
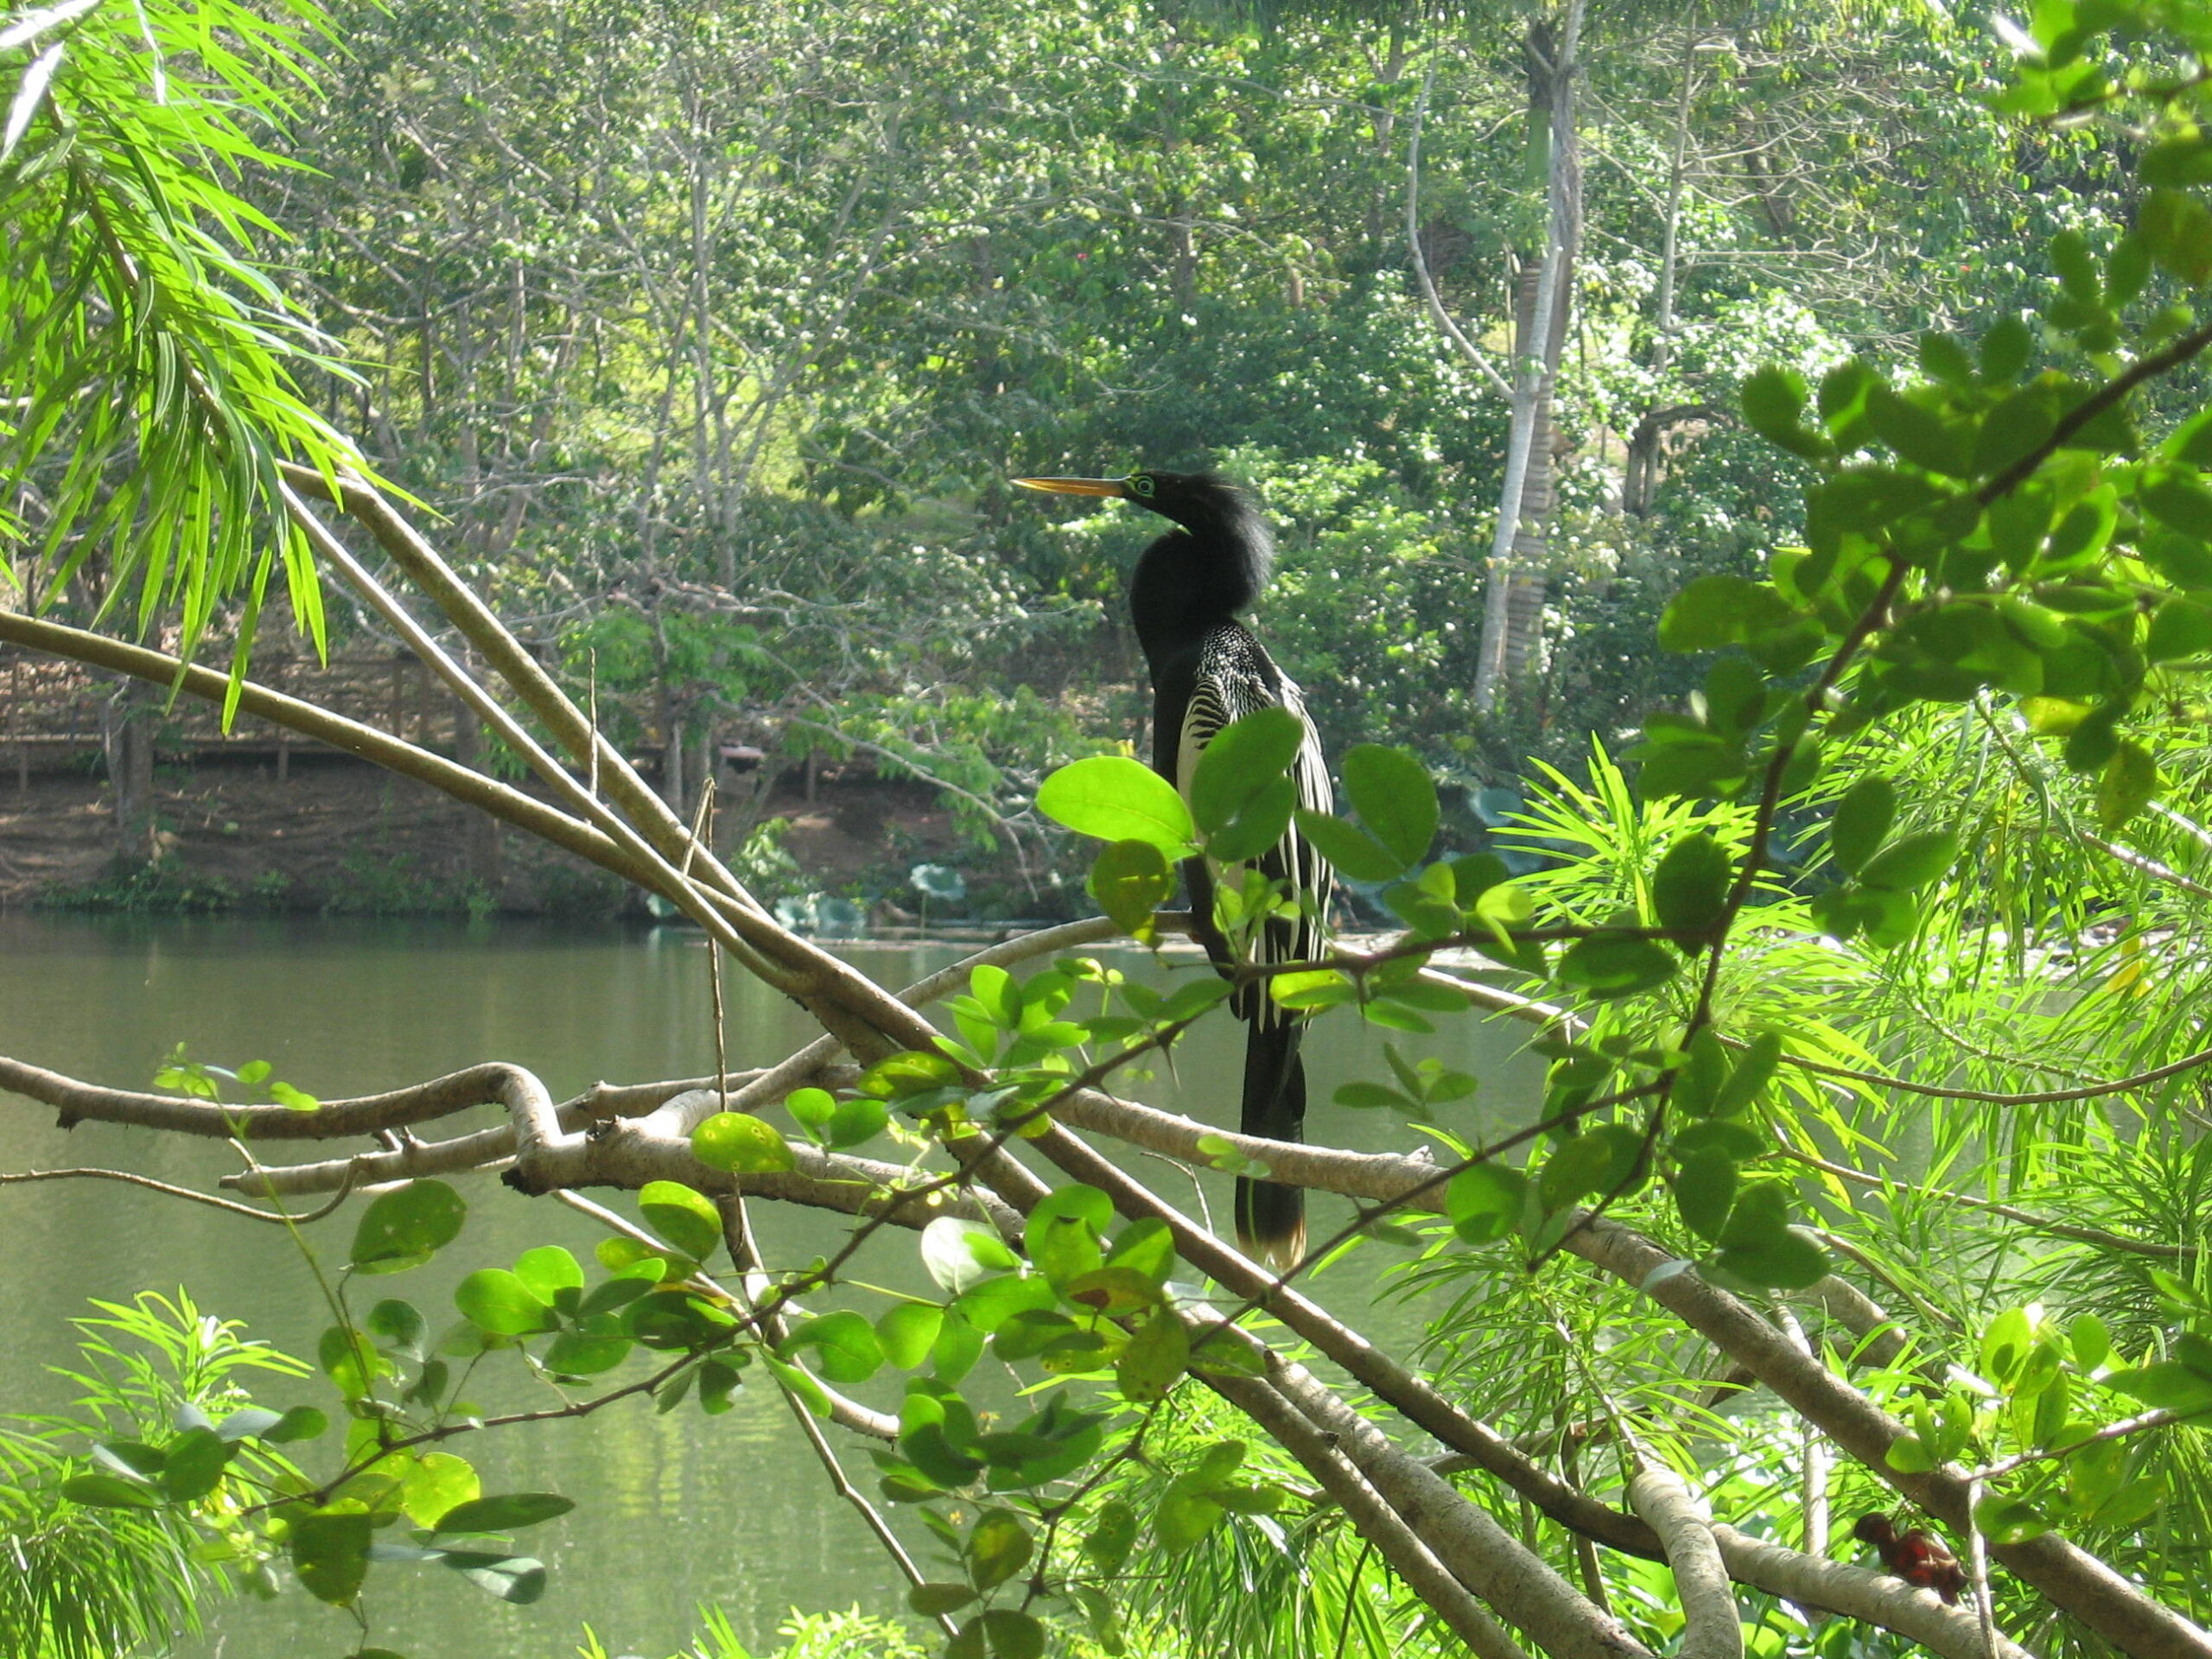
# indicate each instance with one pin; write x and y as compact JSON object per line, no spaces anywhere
{"x":335,"y":837}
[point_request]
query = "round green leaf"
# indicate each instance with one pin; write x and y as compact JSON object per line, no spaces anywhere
{"x":1130,"y":879}
{"x":1774,"y":401}
{"x":1605,"y":966}
{"x":1705,"y":1189}
{"x":1485,"y":1202}
{"x":1395,"y":799}
{"x":909,"y":1330}
{"x":846,"y":1347}
{"x":741,"y":1144}
{"x":548,"y":1270}
{"x":330,"y":1551}
{"x":959,"y":1253}
{"x":403,"y":1228}
{"x":998,"y":1547}
{"x":1911,"y":863}
{"x":686,"y":1218}
{"x":1013,"y":1635}
{"x":436,"y":1484}
{"x":1244,"y":758}
{"x":1355,"y":853}
{"x":496,"y":1300}
{"x":1115,"y":798}
{"x":575,"y":1353}
{"x":1790,"y":1261}
{"x":1154,"y":1360}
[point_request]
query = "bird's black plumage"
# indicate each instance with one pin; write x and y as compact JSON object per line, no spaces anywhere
{"x":1208,"y":670}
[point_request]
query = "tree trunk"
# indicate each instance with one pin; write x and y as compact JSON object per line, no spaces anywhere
{"x":483,"y":849}
{"x":127,"y":736}
{"x":1513,"y":608}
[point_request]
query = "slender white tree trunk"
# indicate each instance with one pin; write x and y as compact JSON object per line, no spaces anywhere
{"x":1509,"y":612}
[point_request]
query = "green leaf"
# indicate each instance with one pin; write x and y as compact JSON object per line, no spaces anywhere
{"x":405,"y":1227}
{"x":1064,"y":1233}
{"x":1862,"y":817}
{"x":1258,"y":827}
{"x":194,"y":1464}
{"x":1146,"y":1247}
{"x":435,"y":1484}
{"x":2128,"y":782}
{"x":1395,"y":799}
{"x":1751,"y":1074}
{"x":1112,"y":1291}
{"x":1131,"y":880}
{"x":1353,"y":852}
{"x":506,"y":1512}
{"x":1690,"y":887}
{"x":330,"y":1551}
{"x":857,"y":1121}
{"x":1908,"y":1455}
{"x":1714,"y":611}
{"x":494,"y":1300}
{"x":959,"y":1253}
{"x":1605,"y":966}
{"x":2166,"y":1384}
{"x":809,"y":1107}
{"x":1774,"y":400}
{"x":1113,"y":1535}
{"x":1115,"y":798}
{"x":1791,"y":1260}
{"x":847,"y":1349}
{"x":2179,"y":628}
{"x":1704,"y":1190}
{"x":299,"y":1423}
{"x":1244,"y":759}
{"x":519,"y":1580}
{"x":1912,"y":863}
{"x":686,"y":1218}
{"x":2004,"y":1520}
{"x":1485,"y":1201}
{"x":110,"y":1492}
{"x":1155,"y":1358}
{"x":998,"y":1547}
{"x":908,"y":1331}
{"x":931,"y":1600}
{"x":990,"y":1304}
{"x":1761,"y":1215}
{"x":400,"y":1324}
{"x":742,"y":1145}
{"x":1012,"y":1634}
{"x":548,"y":1270}
{"x":1184,"y":1518}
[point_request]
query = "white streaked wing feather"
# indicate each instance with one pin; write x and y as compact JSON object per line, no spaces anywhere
{"x":1229,"y":686}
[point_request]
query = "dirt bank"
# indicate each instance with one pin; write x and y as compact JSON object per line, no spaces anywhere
{"x":338,"y":837}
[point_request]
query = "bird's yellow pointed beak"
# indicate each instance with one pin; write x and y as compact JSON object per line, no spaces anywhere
{"x":1074,"y":485}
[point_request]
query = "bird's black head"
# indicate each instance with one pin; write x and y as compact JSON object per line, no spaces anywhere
{"x":1218,"y":567}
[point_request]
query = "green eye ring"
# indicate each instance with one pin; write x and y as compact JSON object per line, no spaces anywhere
{"x":1140,"y":483}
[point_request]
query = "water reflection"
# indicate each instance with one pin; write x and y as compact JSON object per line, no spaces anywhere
{"x":677,"y":1510}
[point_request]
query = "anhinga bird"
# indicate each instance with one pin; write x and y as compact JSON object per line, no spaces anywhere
{"x":1208,"y":671}
{"x":1916,"y":1557}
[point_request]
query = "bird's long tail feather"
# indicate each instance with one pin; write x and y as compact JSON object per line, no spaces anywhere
{"x":1270,"y":1216}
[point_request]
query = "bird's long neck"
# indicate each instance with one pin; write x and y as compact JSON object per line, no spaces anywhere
{"x":1188,"y":585}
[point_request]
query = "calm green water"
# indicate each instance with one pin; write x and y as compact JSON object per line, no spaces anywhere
{"x":674,"y":1510}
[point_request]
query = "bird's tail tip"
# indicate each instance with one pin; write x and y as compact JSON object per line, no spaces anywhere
{"x":1271,"y":1223}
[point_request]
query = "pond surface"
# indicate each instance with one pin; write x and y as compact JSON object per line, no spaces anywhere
{"x":675,"y":1512}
